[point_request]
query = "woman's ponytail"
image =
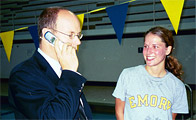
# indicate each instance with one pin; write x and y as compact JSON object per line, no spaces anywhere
{"x":173,"y":66}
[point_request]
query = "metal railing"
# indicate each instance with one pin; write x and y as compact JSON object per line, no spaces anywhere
{"x":191,"y":101}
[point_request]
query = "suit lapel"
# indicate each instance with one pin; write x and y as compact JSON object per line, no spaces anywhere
{"x":45,"y":67}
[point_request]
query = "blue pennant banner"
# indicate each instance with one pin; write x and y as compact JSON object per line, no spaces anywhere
{"x":34,"y":33}
{"x":117,"y":15}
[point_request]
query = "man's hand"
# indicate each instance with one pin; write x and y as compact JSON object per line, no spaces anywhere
{"x":66,"y":55}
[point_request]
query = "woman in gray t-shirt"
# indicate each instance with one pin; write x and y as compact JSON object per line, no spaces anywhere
{"x":153,"y":91}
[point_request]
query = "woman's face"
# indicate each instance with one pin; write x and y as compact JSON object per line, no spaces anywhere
{"x":155,"y":50}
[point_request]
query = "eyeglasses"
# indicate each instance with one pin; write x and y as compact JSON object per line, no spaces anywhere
{"x":72,"y":35}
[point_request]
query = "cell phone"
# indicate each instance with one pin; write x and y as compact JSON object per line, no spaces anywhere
{"x":50,"y":37}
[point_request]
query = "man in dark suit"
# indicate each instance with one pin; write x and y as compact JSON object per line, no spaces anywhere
{"x":48,"y":86}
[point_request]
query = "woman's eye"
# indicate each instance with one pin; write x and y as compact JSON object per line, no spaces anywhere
{"x":156,"y":47}
{"x":145,"y":46}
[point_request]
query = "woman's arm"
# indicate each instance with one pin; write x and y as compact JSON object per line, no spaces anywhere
{"x":174,"y":116}
{"x":119,"y":109}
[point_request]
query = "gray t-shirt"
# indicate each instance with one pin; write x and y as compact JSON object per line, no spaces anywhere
{"x":150,"y":98}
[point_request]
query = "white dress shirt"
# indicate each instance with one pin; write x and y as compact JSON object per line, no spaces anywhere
{"x":53,"y":63}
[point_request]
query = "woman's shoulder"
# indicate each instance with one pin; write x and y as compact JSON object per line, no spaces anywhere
{"x":175,"y":80}
{"x":134,"y":70}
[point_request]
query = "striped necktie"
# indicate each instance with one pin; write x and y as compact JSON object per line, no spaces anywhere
{"x":81,"y":111}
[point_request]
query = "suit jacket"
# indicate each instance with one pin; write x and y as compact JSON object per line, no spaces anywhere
{"x":36,"y":92}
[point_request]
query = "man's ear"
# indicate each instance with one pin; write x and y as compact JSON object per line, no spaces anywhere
{"x":168,"y":51}
{"x":44,"y":30}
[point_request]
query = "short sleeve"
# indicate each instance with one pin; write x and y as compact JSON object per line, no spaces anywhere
{"x":119,"y":91}
{"x":180,"y":104}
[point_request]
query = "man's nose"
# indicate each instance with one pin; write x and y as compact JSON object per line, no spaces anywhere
{"x":76,"y":41}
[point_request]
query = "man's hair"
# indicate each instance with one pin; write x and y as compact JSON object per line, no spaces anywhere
{"x":47,"y":18}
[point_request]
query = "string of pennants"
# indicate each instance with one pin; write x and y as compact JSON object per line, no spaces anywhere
{"x":117,"y":15}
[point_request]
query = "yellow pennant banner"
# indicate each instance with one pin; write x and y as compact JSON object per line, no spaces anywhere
{"x":7,"y":39}
{"x":173,"y":9}
{"x":81,"y":19}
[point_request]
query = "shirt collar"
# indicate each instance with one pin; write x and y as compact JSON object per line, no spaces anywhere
{"x":53,"y":63}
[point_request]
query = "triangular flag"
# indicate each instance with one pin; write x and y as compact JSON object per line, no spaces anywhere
{"x":78,"y":48}
{"x":7,"y":39}
{"x":117,"y":15}
{"x":174,"y":10}
{"x":34,"y":33}
{"x":81,"y":19}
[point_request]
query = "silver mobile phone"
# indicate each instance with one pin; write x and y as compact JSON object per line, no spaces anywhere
{"x":50,"y":37}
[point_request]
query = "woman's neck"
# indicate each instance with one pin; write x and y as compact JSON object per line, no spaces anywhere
{"x":156,"y":71}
